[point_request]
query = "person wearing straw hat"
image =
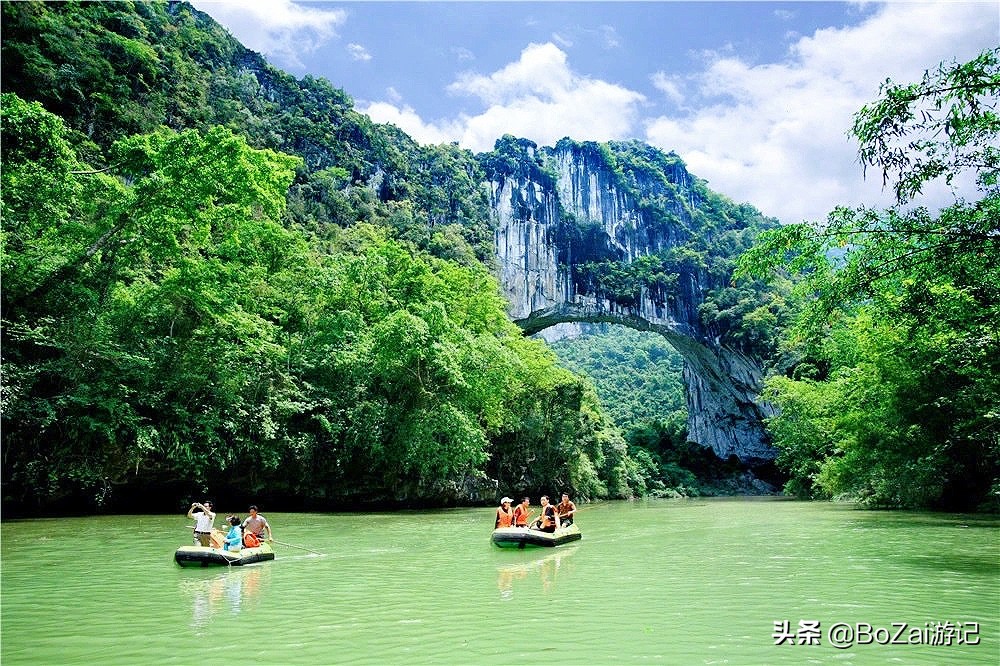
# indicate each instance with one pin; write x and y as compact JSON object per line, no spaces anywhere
{"x":505,"y":515}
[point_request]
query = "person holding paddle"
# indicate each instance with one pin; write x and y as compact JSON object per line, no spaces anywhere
{"x":565,"y":509}
{"x":255,"y":524}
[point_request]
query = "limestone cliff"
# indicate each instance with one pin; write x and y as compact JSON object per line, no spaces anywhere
{"x":581,"y":205}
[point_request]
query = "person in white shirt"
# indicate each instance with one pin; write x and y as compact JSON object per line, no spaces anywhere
{"x":204,"y":519}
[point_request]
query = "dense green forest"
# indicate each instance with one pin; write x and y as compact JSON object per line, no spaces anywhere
{"x":638,"y":379}
{"x":637,"y":375}
{"x":218,"y":278}
{"x":190,"y":308}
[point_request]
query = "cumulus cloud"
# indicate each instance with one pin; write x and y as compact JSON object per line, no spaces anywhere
{"x":670,"y":85}
{"x":776,"y":134}
{"x":280,"y":29}
{"x":359,"y":52}
{"x":408,"y":120}
{"x":539,"y":97}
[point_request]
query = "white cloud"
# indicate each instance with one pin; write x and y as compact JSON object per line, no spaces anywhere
{"x":776,"y":134}
{"x":406,"y":119}
{"x":669,"y":85}
{"x":773,"y":134}
{"x":541,"y":70}
{"x":562,"y":40}
{"x":359,"y":52}
{"x":462,"y":53}
{"x":609,"y":37}
{"x":393,"y":95}
{"x":280,"y":29}
{"x":537,"y":97}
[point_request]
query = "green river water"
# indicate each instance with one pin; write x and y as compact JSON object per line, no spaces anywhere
{"x":668,"y":582}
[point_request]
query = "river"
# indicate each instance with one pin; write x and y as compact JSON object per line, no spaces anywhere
{"x":726,"y":581}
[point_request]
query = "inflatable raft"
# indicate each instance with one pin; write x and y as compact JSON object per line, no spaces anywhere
{"x":202,"y":556}
{"x":522,"y":537}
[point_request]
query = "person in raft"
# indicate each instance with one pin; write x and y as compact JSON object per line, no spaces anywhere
{"x":522,"y":513}
{"x":505,"y":515}
{"x":203,"y":519}
{"x":235,"y":536}
{"x":549,"y":520}
{"x":565,"y":509}
{"x":254,"y":526}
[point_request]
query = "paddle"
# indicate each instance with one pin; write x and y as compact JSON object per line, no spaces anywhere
{"x":582,"y":508}
{"x":292,"y":545}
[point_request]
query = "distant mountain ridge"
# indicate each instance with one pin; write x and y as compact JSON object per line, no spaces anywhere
{"x":113,"y":69}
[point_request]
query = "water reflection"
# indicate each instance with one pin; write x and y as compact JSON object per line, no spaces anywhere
{"x":229,"y":589}
{"x":547,"y":569}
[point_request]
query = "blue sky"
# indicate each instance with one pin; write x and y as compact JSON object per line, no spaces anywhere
{"x":756,"y":97}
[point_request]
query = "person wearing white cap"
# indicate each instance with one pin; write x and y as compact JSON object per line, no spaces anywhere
{"x":505,"y":515}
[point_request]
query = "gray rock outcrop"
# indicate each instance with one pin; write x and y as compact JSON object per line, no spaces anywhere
{"x":536,"y":268}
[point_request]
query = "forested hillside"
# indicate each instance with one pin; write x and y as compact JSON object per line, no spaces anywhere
{"x":637,"y":375}
{"x":220,"y":279}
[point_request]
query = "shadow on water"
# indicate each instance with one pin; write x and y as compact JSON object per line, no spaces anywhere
{"x":984,"y":565}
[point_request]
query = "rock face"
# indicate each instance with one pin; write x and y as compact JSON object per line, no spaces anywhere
{"x":536,"y":268}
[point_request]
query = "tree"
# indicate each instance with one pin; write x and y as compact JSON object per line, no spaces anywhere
{"x":897,"y":350}
{"x":132,"y":350}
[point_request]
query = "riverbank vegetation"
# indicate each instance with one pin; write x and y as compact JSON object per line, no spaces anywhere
{"x":163,"y":326}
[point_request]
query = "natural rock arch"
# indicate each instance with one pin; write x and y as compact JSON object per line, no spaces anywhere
{"x":536,"y":273}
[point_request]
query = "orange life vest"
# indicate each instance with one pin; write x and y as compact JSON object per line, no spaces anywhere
{"x":504,"y":518}
{"x":548,"y":516}
{"x":521,"y":515}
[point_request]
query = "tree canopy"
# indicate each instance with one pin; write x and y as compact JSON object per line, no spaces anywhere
{"x":890,"y":391}
{"x":164,"y":329}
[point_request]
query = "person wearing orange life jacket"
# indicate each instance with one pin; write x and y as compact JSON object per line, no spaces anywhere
{"x":549,"y":520}
{"x":522,"y":513}
{"x":565,"y":509}
{"x":505,"y":515}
